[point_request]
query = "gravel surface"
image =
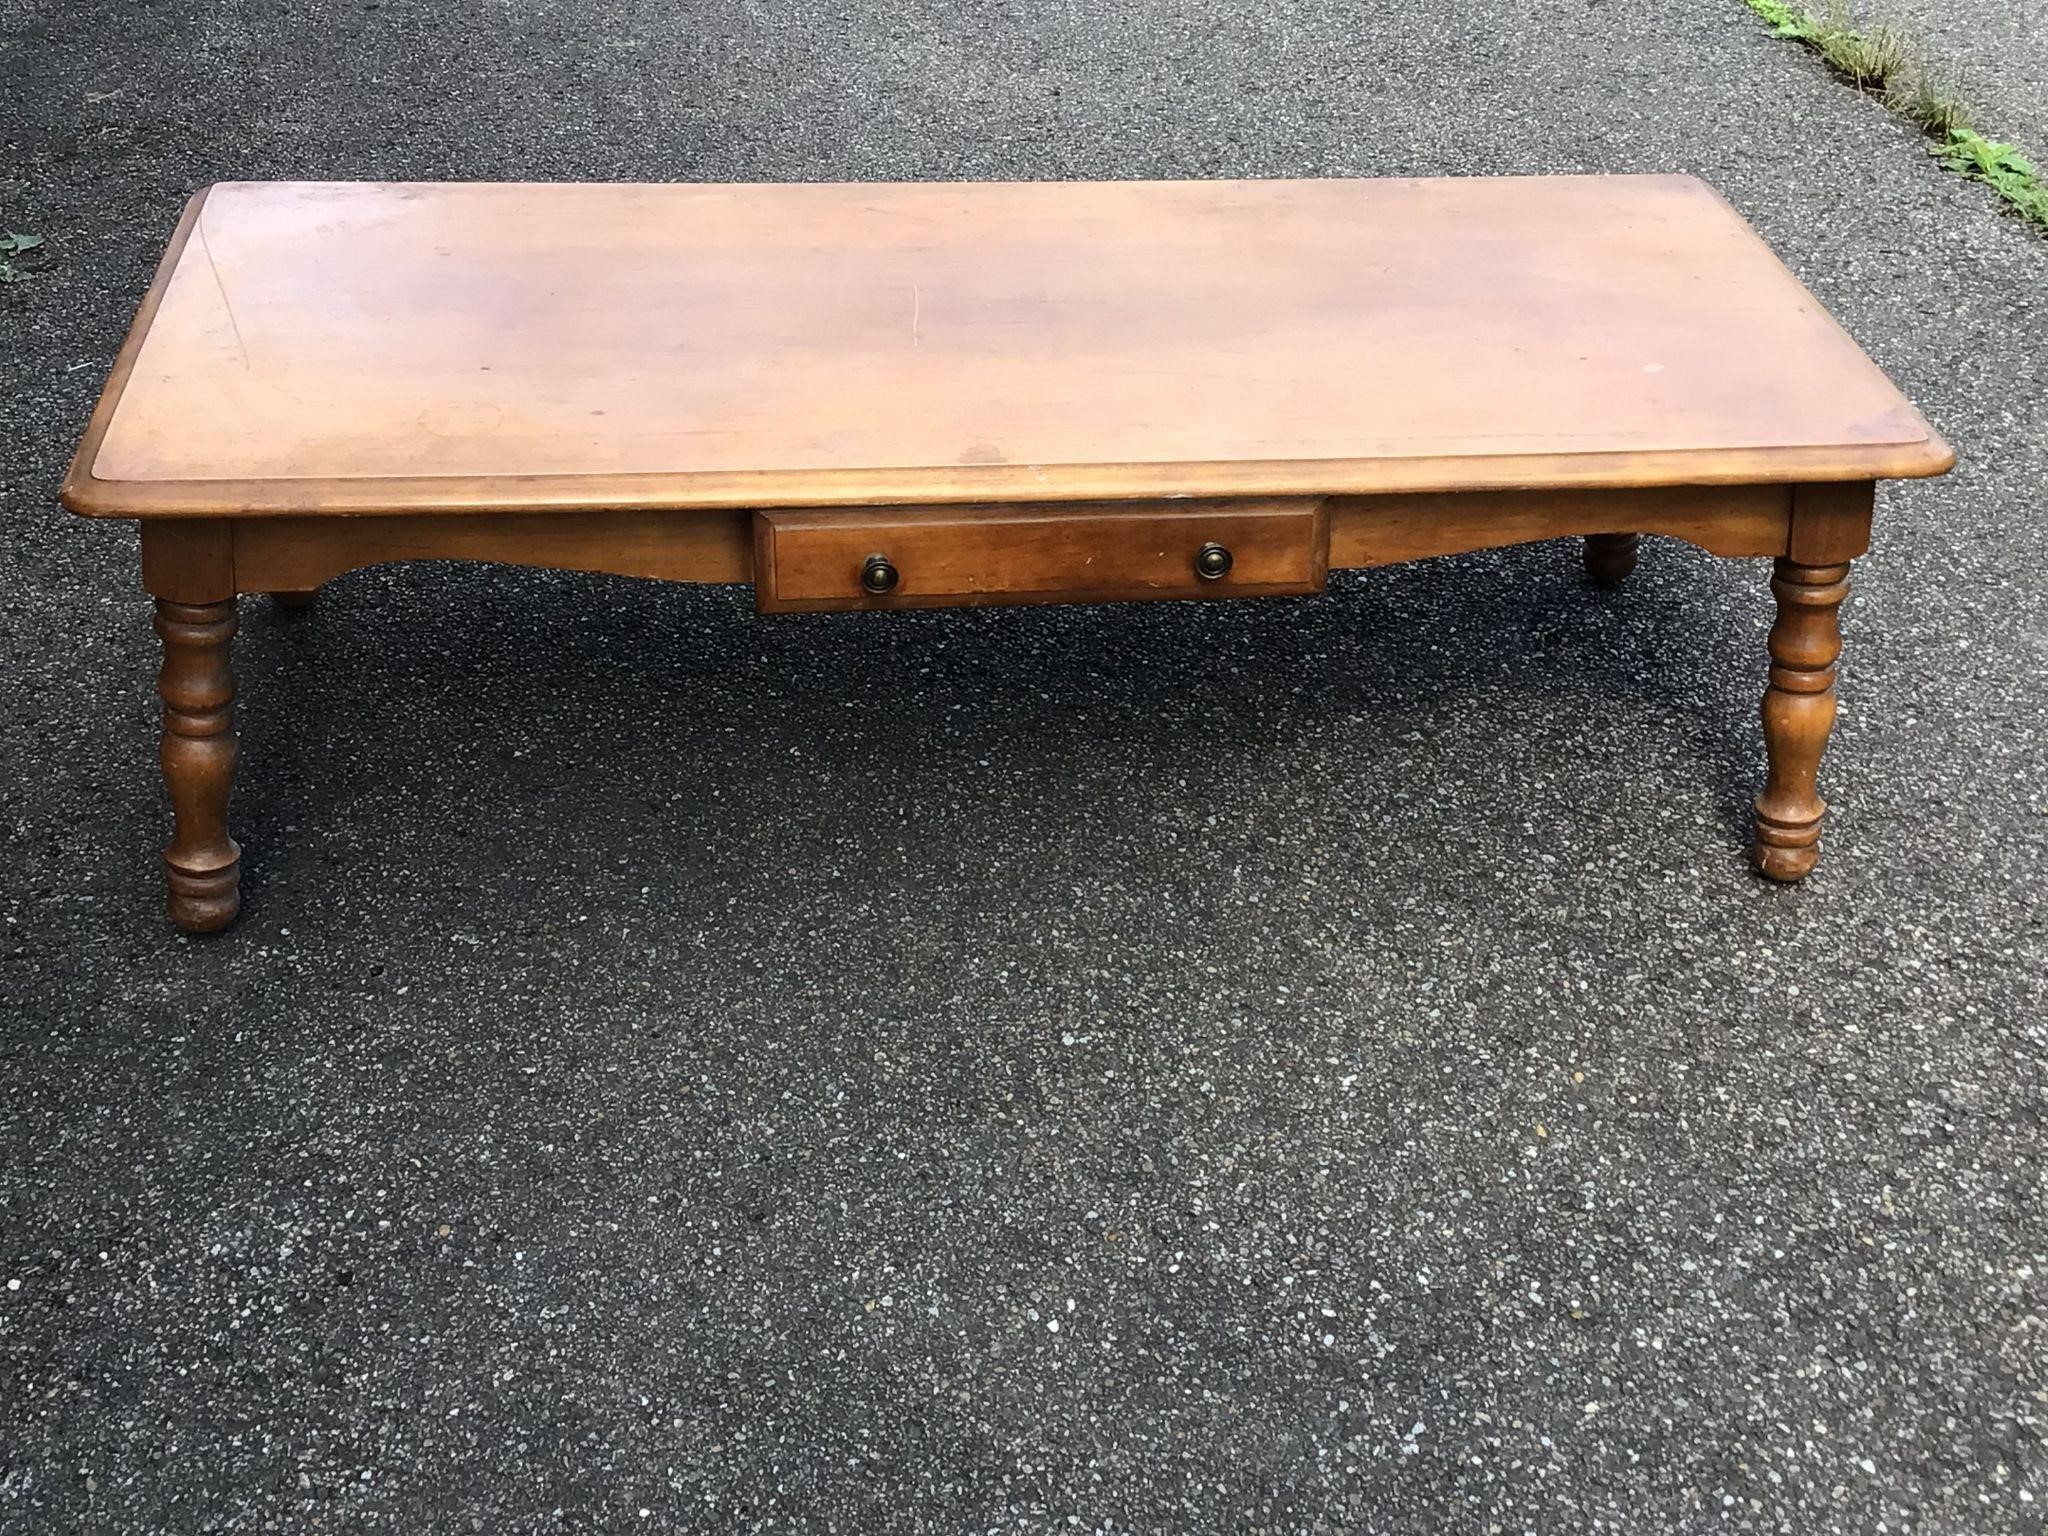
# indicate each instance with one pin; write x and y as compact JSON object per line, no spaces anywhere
{"x":1308,"y":1065}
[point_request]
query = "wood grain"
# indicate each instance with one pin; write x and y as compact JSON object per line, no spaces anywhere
{"x":1831,"y":523}
{"x":299,"y":553}
{"x":202,"y":865}
{"x":1799,"y":714}
{"x":189,"y":560}
{"x":811,"y":561}
{"x":274,"y":554}
{"x":406,"y":348}
{"x":1724,"y":520}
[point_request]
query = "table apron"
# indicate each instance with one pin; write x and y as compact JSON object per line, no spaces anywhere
{"x":191,"y":559}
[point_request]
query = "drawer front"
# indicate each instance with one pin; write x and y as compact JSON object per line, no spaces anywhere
{"x":932,"y":557}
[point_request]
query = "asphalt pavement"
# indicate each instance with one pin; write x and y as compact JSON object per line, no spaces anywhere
{"x":1309,"y":1065}
{"x":1992,"y":53}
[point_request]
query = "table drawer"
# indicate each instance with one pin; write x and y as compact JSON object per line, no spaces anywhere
{"x":933,"y":557}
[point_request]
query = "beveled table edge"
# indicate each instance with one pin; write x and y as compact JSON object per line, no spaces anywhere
{"x":88,"y":495}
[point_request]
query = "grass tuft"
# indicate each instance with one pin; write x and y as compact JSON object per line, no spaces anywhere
{"x":1884,"y":62}
{"x":1871,"y":60}
{"x":1928,"y":105}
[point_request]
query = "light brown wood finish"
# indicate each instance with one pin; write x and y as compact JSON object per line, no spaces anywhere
{"x":395,"y":348}
{"x":1799,"y":714}
{"x":1830,"y":526}
{"x":298,"y":553}
{"x":188,"y":567}
{"x":1723,"y":520}
{"x":1019,"y":393}
{"x":812,"y":561}
{"x":1830,"y":522}
{"x":202,"y":865}
{"x":272,"y":554}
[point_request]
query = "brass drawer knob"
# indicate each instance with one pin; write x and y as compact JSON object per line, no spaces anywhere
{"x":1212,"y":562}
{"x":878,"y":576}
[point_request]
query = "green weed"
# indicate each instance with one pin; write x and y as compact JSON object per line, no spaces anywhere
{"x":1785,"y":20}
{"x":1885,"y":62}
{"x":15,"y":245}
{"x":2008,"y":172}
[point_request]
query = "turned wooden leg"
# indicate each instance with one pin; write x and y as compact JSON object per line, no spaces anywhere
{"x":302,"y":599}
{"x":1611,"y":556}
{"x":202,"y":864}
{"x":1799,"y":712}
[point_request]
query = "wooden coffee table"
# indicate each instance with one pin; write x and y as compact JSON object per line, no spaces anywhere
{"x":877,"y":396}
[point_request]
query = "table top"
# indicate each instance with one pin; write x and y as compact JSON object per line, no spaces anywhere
{"x":367,"y":347}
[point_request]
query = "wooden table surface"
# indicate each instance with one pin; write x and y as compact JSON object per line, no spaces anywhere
{"x":358,"y":347}
{"x":879,"y":396}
